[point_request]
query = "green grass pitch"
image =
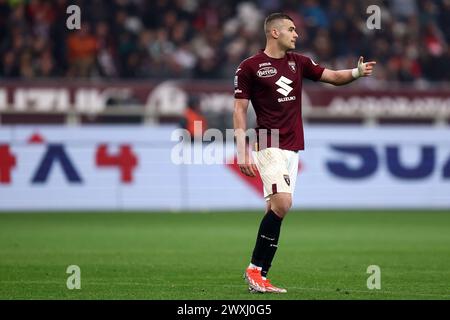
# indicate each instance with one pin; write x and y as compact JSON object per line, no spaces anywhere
{"x":321,"y":255}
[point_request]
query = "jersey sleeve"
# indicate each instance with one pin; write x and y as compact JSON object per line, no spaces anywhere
{"x":311,"y":70}
{"x":242,"y":82}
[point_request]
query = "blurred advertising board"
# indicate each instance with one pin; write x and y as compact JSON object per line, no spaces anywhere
{"x":172,"y":97}
{"x":149,"y":168}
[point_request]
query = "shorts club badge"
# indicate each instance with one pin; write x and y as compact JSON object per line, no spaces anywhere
{"x":286,"y":178}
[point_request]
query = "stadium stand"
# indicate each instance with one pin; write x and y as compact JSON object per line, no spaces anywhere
{"x":205,"y":39}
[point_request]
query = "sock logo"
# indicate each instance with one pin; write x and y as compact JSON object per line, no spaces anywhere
{"x":270,"y":239}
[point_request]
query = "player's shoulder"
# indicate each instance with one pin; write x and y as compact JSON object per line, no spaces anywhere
{"x":297,"y":56}
{"x":252,"y":60}
{"x":301,"y":58}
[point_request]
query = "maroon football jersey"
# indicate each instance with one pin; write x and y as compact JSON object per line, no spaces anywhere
{"x":274,"y":86}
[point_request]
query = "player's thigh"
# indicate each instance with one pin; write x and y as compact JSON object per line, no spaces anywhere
{"x":272,"y":165}
{"x":293,"y":158}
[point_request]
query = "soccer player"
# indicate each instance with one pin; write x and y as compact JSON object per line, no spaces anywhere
{"x":272,"y":81}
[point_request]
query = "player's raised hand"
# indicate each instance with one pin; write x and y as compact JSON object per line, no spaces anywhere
{"x":365,"y":69}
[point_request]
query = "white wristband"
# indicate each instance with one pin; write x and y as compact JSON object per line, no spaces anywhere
{"x":355,"y":73}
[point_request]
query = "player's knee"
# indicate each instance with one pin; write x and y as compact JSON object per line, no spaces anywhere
{"x":282,"y":206}
{"x":286,"y":206}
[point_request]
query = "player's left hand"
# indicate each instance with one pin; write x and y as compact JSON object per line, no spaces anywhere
{"x":365,"y":69}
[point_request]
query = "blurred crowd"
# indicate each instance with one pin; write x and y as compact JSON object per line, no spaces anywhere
{"x":207,"y":39}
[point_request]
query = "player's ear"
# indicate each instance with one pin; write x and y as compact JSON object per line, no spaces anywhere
{"x":275,"y":33}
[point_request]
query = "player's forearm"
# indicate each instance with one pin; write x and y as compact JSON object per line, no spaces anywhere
{"x":240,"y":126}
{"x":342,"y":77}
